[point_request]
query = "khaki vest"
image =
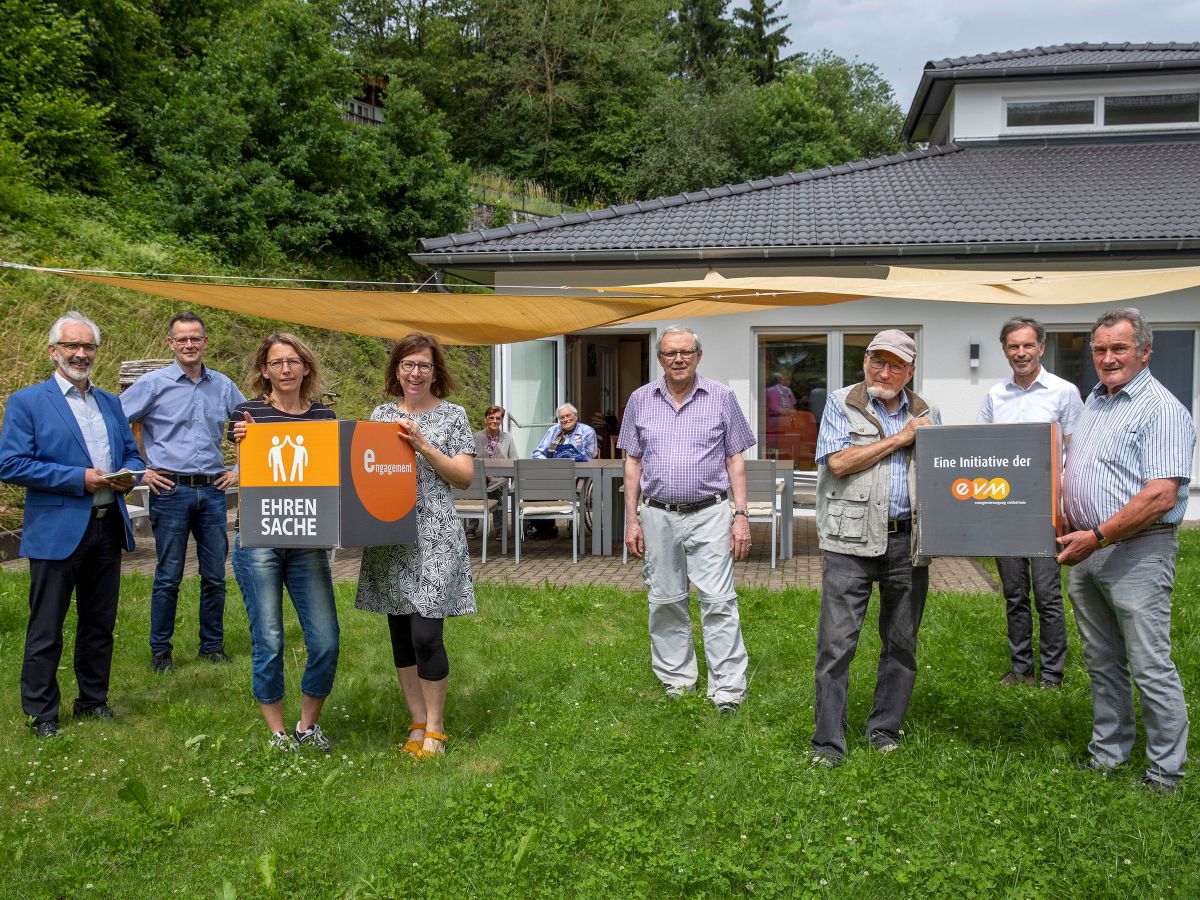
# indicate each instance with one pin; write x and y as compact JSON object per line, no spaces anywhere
{"x":852,"y":512}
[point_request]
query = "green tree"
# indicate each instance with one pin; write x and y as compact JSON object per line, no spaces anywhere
{"x":760,"y":35}
{"x":255,"y":156}
{"x":701,"y":36}
{"x":58,"y":130}
{"x":860,"y":99}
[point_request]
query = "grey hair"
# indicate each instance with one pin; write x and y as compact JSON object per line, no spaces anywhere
{"x":74,"y":317}
{"x":678,"y":329}
{"x":1016,"y":323}
{"x":1142,"y":335}
{"x":570,"y":406}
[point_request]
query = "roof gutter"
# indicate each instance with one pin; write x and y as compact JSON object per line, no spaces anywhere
{"x":502,"y":259}
{"x":943,"y":80}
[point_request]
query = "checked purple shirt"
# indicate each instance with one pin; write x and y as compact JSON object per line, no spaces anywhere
{"x":683,"y":450}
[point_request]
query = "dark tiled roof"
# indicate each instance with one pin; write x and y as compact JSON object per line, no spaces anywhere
{"x":1073,"y":55}
{"x":942,"y":196}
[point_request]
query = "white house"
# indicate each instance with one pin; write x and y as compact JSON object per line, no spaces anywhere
{"x":1074,"y":157}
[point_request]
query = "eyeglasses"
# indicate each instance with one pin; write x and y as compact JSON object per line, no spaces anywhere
{"x":276,"y":365}
{"x":189,"y":340}
{"x":685,"y":355}
{"x":408,"y":367}
{"x":878,"y":365}
{"x":72,"y":346}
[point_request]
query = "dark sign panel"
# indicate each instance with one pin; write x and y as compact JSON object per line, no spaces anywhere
{"x":989,"y":490}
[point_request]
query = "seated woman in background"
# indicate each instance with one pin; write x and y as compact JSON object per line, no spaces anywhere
{"x":420,"y":585}
{"x":492,"y":443}
{"x":286,"y":383}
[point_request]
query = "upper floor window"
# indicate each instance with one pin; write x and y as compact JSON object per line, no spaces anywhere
{"x":1040,"y":113}
{"x":1114,"y":111}
{"x":1151,"y":109}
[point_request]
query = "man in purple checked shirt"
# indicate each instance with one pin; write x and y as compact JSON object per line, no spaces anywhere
{"x":684,"y":437}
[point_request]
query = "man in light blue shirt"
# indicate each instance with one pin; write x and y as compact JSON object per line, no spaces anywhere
{"x":183,"y":410}
{"x":1032,"y":395}
{"x":1126,"y":488}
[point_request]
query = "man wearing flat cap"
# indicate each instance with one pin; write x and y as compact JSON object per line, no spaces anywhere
{"x":866,"y":503}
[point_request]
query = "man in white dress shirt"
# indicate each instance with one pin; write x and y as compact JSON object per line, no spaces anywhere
{"x":1032,"y":395}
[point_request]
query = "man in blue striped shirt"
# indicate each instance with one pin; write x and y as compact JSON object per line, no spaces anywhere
{"x":1126,"y":487}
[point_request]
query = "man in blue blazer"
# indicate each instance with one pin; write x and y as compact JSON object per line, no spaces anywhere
{"x":61,"y":439}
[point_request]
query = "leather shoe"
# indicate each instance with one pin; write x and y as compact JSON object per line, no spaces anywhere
{"x":45,"y":729}
{"x":1015,"y":678}
{"x":161,"y":663}
{"x":103,"y":711}
{"x":217,"y":656}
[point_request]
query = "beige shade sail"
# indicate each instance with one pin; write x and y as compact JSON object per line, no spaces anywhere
{"x":1032,"y":288}
{"x":454,"y":318}
{"x":459,"y":318}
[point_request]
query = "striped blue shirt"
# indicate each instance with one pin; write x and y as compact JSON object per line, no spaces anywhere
{"x":835,"y":436}
{"x":1121,"y":442}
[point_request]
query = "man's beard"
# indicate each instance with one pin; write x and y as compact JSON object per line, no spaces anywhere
{"x":883,"y":393}
{"x":78,"y":372}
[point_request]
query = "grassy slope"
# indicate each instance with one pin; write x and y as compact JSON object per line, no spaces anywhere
{"x":569,"y":774}
{"x":80,"y":233}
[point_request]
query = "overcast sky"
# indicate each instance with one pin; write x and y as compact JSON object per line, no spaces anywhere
{"x":900,"y":36}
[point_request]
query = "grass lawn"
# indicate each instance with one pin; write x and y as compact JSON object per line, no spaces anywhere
{"x":569,"y":774}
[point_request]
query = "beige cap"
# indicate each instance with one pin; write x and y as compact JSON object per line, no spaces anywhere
{"x":895,"y":342}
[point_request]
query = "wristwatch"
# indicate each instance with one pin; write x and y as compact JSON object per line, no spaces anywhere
{"x":741,"y":512}
{"x":1101,"y":540}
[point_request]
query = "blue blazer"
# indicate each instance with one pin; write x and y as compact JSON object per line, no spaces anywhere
{"x":42,"y":448}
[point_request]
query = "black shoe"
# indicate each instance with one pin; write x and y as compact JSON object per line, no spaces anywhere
{"x":217,"y":656}
{"x":1091,"y":764}
{"x":1158,"y":787}
{"x":45,"y":729}
{"x":1047,"y":685}
{"x":161,"y":662}
{"x":103,"y":711}
{"x":883,"y":742}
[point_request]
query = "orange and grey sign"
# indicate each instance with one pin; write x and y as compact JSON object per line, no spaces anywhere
{"x":989,"y":490}
{"x":326,"y":484}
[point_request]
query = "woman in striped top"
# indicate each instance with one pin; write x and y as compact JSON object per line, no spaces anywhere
{"x":286,"y":382}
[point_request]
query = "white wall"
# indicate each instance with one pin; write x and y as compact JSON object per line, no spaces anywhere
{"x":944,"y":331}
{"x":978,"y":112}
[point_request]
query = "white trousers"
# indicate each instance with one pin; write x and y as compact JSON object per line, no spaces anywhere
{"x":693,"y":546}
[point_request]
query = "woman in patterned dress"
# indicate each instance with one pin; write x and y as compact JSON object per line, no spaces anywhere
{"x":418,"y":586}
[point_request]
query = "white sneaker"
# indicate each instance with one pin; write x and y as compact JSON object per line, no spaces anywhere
{"x":281,"y":740}
{"x":314,"y":738}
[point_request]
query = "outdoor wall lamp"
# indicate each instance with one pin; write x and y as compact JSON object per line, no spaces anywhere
{"x":974,"y":353}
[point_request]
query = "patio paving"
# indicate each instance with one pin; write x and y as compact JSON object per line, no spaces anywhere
{"x":550,"y":561}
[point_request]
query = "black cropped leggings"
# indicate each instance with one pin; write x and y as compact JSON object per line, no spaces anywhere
{"x":417,"y":641}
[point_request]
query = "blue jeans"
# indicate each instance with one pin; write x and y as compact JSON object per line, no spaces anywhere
{"x":845,"y":589}
{"x":1122,"y":600}
{"x":262,"y":574}
{"x":174,"y":514}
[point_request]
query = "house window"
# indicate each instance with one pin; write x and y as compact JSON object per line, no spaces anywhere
{"x":1040,"y":113}
{"x":1152,"y":109}
{"x":795,"y":374}
{"x":1173,"y":362}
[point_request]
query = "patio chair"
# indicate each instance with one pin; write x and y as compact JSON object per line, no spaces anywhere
{"x":546,"y":489}
{"x":474,"y":503}
{"x":762,"y":497}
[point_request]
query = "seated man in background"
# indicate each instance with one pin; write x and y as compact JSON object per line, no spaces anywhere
{"x":492,"y":443}
{"x":569,"y":439}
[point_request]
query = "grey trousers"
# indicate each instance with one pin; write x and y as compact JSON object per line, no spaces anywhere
{"x":845,"y":590}
{"x":683,"y":547}
{"x":1015,"y":576}
{"x":1122,"y":600}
